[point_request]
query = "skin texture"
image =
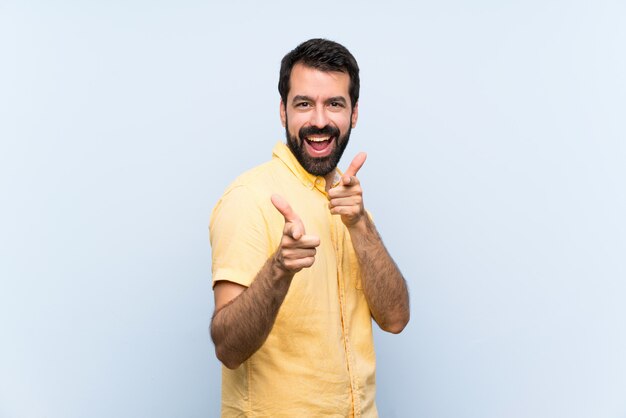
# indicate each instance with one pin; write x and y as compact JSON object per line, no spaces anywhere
{"x":243,"y":316}
{"x":384,"y":287}
{"x":318,"y":99}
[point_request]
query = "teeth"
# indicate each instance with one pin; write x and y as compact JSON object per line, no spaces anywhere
{"x":318,"y":139}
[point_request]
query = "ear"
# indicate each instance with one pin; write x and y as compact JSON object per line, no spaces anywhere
{"x":283,"y":114}
{"x":355,"y":115}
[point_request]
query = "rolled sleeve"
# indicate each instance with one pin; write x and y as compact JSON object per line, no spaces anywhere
{"x":239,"y":237}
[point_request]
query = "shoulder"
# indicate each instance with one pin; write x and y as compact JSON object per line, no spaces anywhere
{"x":260,"y":178}
{"x":251,"y":191}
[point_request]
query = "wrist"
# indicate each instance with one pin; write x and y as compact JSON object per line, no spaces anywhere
{"x":362,"y":226}
{"x":279,"y":271}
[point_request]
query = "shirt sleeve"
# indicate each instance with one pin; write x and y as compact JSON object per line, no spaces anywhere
{"x":239,"y":237}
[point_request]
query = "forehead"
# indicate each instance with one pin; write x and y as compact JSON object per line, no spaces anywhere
{"x":308,"y":81}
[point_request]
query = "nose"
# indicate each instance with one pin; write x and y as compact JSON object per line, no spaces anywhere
{"x":319,"y":118}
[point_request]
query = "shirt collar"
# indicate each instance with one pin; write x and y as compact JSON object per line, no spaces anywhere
{"x":283,"y":153}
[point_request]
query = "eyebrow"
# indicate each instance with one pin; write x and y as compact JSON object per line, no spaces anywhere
{"x":301,"y":98}
{"x":339,"y":99}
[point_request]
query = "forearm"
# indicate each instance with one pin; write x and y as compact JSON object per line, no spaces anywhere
{"x":241,"y":327}
{"x":383,"y":285}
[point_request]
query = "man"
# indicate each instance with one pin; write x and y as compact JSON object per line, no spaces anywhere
{"x":299,"y":270}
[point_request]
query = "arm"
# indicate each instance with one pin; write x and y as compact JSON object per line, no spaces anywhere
{"x":383,"y":285}
{"x":243,"y":316}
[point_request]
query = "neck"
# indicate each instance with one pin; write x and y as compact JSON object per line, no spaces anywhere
{"x":330,"y":179}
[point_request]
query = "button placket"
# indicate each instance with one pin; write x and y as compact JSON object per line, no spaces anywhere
{"x":338,"y":238}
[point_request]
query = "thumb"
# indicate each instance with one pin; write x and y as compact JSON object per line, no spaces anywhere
{"x":294,"y":229}
{"x":356,"y":164}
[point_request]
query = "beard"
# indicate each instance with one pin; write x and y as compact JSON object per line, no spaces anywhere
{"x":318,"y":166}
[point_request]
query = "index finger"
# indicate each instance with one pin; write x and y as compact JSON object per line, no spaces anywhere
{"x":356,"y":164}
{"x":284,"y":208}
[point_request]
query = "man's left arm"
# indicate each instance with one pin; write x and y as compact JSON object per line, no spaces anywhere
{"x":383,"y":285}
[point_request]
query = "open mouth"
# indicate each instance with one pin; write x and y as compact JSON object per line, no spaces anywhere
{"x":318,"y":145}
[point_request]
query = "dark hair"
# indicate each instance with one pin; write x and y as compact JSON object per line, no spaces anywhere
{"x":323,"y":55}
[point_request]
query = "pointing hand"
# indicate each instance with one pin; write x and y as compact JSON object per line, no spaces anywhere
{"x":346,"y":199}
{"x":296,"y":250}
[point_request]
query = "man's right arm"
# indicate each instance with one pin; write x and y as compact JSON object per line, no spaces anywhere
{"x":243,"y":316}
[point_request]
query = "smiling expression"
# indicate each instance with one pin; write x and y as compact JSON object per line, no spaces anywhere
{"x":318,"y":117}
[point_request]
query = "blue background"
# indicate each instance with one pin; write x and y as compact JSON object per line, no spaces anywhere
{"x":496,"y":139}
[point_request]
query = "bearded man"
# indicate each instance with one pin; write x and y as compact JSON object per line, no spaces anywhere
{"x":299,"y":270}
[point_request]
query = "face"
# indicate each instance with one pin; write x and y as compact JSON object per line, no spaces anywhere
{"x":318,"y":117}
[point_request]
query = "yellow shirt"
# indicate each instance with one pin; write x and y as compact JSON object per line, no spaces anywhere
{"x":318,"y":360}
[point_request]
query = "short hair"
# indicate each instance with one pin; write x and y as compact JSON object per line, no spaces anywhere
{"x":323,"y":55}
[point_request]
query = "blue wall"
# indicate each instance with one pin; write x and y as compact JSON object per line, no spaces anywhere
{"x":496,"y":141}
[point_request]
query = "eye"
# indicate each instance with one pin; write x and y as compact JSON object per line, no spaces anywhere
{"x":336,"y":104}
{"x":303,"y":104}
